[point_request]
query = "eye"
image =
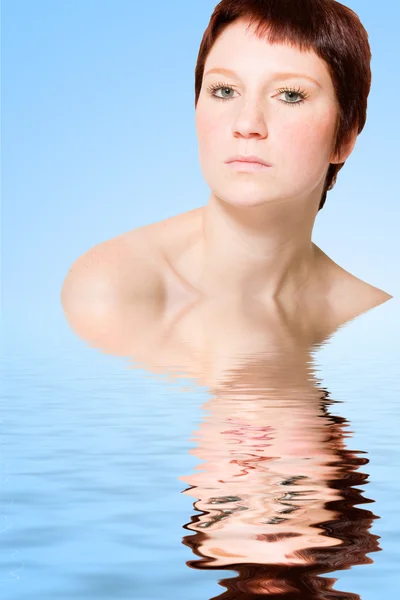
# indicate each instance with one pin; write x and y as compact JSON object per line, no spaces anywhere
{"x":301,"y":93}
{"x":219,"y":86}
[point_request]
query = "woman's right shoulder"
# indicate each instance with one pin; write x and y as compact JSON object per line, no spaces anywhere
{"x":111,"y":277}
{"x":120,"y":268}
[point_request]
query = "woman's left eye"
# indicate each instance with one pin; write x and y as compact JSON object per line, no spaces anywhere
{"x":212,"y":89}
{"x":301,"y":93}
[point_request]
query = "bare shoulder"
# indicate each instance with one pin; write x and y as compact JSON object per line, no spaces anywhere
{"x":106,"y":282}
{"x":347,"y":296}
{"x":116,"y":293}
{"x":353,"y":296}
{"x":113,"y":270}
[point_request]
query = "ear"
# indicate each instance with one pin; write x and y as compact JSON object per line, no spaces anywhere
{"x":346,"y":149}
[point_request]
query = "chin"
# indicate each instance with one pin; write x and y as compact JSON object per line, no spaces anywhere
{"x":246,"y":202}
{"x":247,"y":197}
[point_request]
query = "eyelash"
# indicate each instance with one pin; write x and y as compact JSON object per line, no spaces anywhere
{"x":221,"y":85}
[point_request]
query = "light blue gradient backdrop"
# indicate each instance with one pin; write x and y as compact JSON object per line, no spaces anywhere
{"x":98,"y":137}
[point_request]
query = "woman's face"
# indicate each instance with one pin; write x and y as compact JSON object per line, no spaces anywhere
{"x":258,"y":117}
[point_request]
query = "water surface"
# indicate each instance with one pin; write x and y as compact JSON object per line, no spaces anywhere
{"x":121,"y":482}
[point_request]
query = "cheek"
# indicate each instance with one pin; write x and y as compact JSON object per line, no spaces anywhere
{"x":308,"y":142}
{"x":208,"y":128}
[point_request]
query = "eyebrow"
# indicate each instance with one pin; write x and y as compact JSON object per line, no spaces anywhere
{"x":276,"y":75}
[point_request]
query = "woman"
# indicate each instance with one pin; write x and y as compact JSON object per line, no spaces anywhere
{"x":283,"y":85}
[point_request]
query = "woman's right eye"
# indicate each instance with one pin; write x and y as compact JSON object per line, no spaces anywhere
{"x":212,"y":89}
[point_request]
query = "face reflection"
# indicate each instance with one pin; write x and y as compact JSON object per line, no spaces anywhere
{"x":290,"y":122}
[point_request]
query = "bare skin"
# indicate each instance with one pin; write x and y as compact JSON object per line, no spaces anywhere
{"x":134,"y":296}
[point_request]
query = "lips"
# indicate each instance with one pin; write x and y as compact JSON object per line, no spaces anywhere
{"x":248,"y":158}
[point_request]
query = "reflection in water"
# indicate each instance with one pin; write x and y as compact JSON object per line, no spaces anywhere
{"x":279,"y":515}
{"x":277,"y":488}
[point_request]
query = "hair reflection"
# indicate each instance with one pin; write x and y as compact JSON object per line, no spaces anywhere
{"x":284,"y":572}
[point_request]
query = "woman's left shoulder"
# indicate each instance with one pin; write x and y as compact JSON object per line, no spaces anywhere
{"x":351,"y":296}
{"x":345,"y":290}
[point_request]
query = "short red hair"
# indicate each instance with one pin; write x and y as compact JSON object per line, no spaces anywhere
{"x":330,"y":29}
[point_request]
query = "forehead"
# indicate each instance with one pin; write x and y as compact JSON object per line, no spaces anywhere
{"x":240,"y":49}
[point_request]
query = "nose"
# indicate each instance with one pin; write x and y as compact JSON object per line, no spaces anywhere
{"x":250,"y":121}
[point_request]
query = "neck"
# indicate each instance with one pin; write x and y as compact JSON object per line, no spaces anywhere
{"x":263,"y":250}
